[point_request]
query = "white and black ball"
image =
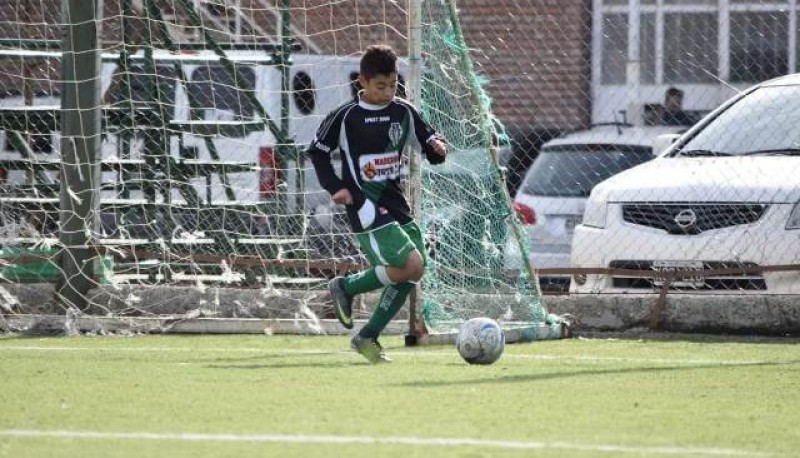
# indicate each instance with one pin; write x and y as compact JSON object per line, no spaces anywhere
{"x":481,"y":341}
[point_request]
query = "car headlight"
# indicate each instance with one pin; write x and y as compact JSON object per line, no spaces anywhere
{"x":794,"y":217}
{"x":595,"y":214}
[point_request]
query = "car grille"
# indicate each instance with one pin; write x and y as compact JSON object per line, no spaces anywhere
{"x":692,"y":218}
{"x":717,"y":283}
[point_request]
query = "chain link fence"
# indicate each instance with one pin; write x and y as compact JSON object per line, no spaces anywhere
{"x":207,"y":106}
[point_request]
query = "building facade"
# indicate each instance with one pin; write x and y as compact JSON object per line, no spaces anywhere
{"x":709,"y":49}
{"x":551,"y":65}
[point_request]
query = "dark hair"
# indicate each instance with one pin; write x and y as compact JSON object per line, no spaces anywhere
{"x":674,"y":91}
{"x":378,"y":60}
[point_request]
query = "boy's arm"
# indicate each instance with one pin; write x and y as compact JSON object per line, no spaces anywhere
{"x":325,"y":174}
{"x":433,"y":145}
{"x":325,"y":142}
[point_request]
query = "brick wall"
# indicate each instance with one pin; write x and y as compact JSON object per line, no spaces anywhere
{"x":536,"y":54}
{"x":536,"y":57}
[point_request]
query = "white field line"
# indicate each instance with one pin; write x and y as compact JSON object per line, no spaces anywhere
{"x":403,"y":352}
{"x":372,"y":440}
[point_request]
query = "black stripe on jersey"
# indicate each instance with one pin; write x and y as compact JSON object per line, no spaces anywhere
{"x":344,"y":148}
{"x":328,"y":122}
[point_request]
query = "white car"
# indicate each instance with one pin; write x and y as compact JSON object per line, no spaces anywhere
{"x":725,"y":195}
{"x":551,"y":199}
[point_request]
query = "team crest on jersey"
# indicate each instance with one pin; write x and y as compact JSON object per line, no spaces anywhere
{"x":395,"y":134}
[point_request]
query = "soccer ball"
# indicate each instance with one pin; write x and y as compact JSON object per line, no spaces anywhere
{"x":481,"y":341}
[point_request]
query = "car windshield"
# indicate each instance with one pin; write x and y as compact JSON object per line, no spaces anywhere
{"x":762,"y":122}
{"x":573,"y":170}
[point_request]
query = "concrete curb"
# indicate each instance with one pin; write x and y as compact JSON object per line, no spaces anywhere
{"x":689,"y":313}
{"x":698,"y":313}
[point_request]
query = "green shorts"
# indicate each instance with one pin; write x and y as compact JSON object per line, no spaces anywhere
{"x":391,"y":244}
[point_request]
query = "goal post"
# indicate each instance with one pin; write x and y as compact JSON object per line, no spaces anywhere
{"x":414,"y":191}
{"x":80,"y":149}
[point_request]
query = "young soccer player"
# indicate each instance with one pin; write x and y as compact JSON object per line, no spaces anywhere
{"x":373,"y":135}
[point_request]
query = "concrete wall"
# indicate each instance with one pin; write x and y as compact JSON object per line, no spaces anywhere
{"x":309,"y":310}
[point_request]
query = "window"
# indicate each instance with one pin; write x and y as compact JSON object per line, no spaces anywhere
{"x":690,"y":48}
{"x":615,"y":47}
{"x":216,"y":9}
{"x":213,"y":88}
{"x":698,"y":41}
{"x":573,"y":170}
{"x":647,"y":48}
{"x":304,"y":93}
{"x":139,"y":82}
{"x":691,"y":2}
{"x":765,"y":119}
{"x":625,"y":2}
{"x":39,"y":143}
{"x":758,"y":46}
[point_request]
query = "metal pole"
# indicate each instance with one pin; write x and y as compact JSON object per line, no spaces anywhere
{"x":80,"y":148}
{"x":414,"y":94}
{"x":238,"y":21}
{"x":126,"y":127}
{"x":634,"y":64}
{"x":286,"y":152}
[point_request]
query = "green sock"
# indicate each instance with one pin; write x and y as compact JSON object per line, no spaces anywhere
{"x":362,"y":282}
{"x":392,"y":300}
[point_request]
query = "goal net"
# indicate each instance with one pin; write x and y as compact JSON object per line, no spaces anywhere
{"x":466,"y":209}
{"x":181,"y":191}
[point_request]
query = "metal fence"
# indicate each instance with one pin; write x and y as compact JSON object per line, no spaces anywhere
{"x":205,"y":108}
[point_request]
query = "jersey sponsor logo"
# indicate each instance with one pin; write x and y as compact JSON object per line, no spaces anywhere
{"x":375,"y":119}
{"x":369,"y":171}
{"x":380,"y":167}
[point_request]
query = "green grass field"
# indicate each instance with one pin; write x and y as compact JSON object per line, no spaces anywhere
{"x":212,"y":396}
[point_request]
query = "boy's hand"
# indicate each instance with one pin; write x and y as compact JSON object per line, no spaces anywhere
{"x":439,"y":147}
{"x":342,"y":197}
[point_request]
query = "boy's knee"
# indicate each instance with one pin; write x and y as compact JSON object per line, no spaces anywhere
{"x":415,"y":267}
{"x":411,"y":271}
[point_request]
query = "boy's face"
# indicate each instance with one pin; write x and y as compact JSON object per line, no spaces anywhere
{"x":378,"y":90}
{"x":673,"y":102}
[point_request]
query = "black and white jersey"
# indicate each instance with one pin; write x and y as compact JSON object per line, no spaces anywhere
{"x":373,"y":142}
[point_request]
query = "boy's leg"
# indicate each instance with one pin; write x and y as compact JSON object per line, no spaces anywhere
{"x":367,"y":280}
{"x":384,"y":246}
{"x":342,"y":290}
{"x":391,"y":301}
{"x":399,"y":242}
{"x":414,"y":234}
{"x":342,"y":302}
{"x":366,"y":341}
{"x":394,"y":296}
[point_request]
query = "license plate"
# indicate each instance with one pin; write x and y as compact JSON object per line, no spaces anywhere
{"x":685,"y":279}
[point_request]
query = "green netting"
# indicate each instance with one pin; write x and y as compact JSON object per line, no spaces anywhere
{"x":465,"y":207}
